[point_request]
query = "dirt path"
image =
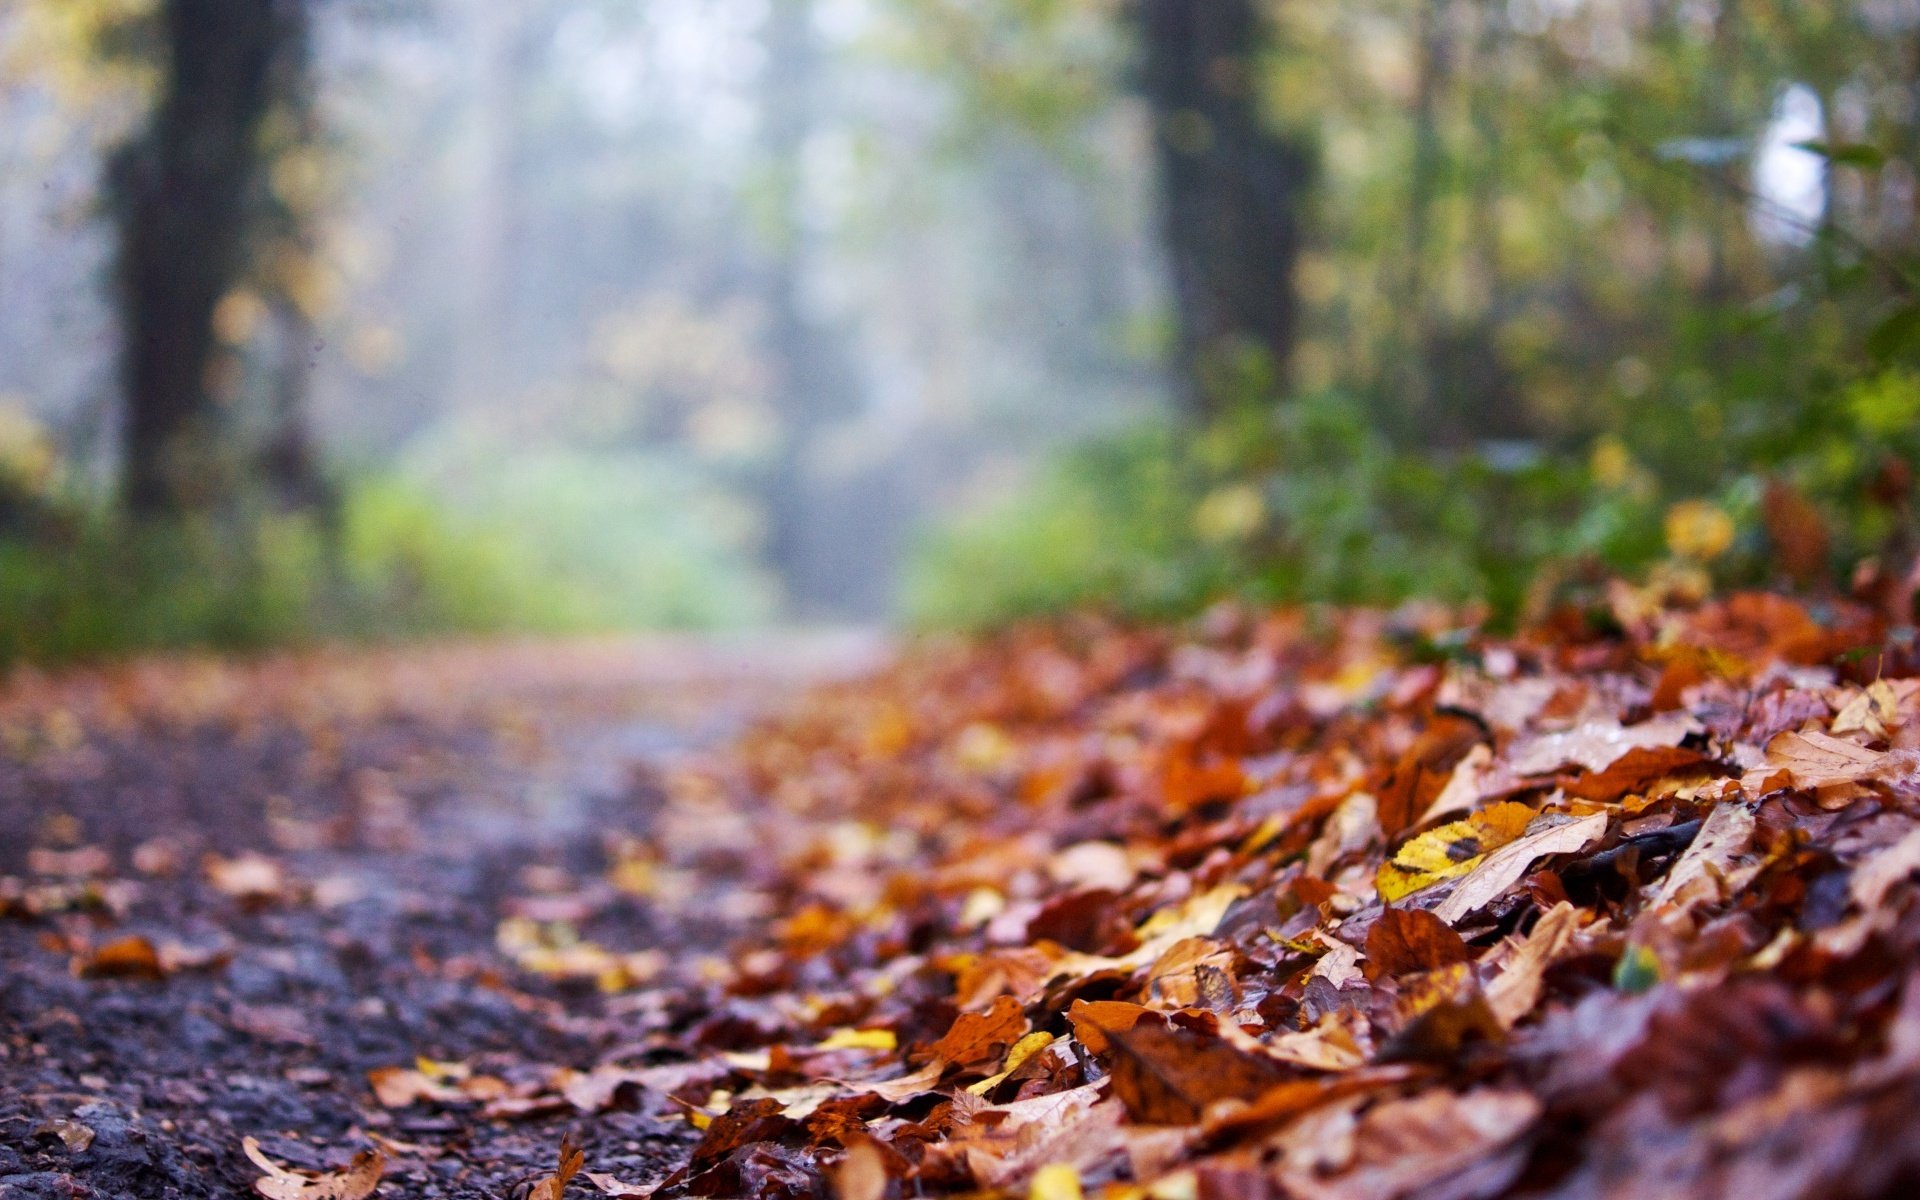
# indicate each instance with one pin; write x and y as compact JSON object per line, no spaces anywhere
{"x":228,"y":894}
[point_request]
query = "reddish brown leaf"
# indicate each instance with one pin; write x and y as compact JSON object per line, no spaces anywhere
{"x":1168,"y":1074}
{"x":1406,"y":940}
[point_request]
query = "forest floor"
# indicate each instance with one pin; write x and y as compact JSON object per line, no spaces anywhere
{"x":1338,"y":905}
{"x":238,"y":890}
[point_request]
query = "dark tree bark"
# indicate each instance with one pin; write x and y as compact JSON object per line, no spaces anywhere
{"x":289,"y":462}
{"x":183,"y":191}
{"x":1231,"y":193}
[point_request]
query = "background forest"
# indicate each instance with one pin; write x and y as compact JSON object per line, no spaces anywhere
{"x":366,"y":317}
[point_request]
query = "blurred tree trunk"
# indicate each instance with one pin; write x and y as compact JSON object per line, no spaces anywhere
{"x":289,"y":462}
{"x":1231,"y":195}
{"x":810,"y":386}
{"x":183,"y":190}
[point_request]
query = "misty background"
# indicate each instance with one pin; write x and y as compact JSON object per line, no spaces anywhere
{"x":608,"y":313}
{"x":729,"y":294}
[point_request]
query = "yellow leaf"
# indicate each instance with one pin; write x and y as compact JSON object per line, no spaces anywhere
{"x":1698,"y":531}
{"x":1055,"y":1181}
{"x":1451,"y":850}
{"x":1026,"y":1048}
{"x":860,"y":1039}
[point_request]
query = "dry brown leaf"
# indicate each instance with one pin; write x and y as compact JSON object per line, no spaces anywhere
{"x":75,"y":1135}
{"x":1817,"y":760}
{"x":1632,"y":772}
{"x":1874,"y":710}
{"x":129,"y":957}
{"x":1597,"y":745}
{"x":1406,"y":1147}
{"x":1503,"y":868}
{"x":1516,"y":990}
{"x":981,"y":1039}
{"x":554,"y":1186}
{"x":1004,"y":1145}
{"x":1706,"y":872}
{"x":1403,"y":941}
{"x":609,"y":1186}
{"x":1878,"y":875}
{"x":1168,"y":1074}
{"x":1094,"y":1020}
{"x":356,"y":1181}
{"x":862,"y":1174}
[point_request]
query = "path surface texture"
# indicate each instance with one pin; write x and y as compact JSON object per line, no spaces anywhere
{"x":241,"y":895}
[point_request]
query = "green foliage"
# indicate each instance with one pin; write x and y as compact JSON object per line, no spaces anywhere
{"x":545,"y":547}
{"x":1312,"y":503}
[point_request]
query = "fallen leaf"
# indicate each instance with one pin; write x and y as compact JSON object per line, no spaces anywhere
{"x":129,"y":957}
{"x":1503,"y":868}
{"x":1878,"y":875}
{"x":609,"y":1186}
{"x":1516,"y":989}
{"x":1055,"y":1181}
{"x":1817,"y":760}
{"x":1597,"y":745}
{"x":1706,"y":871}
{"x":859,"y":1039}
{"x":1451,"y":850}
{"x":75,"y":1135}
{"x":862,"y":1174}
{"x":1094,"y":1021}
{"x":1632,"y":772}
{"x":356,"y":1181}
{"x":1403,"y":941}
{"x":554,"y":1186}
{"x":1410,"y":1147}
{"x":977,"y":1039}
{"x":1168,"y":1075}
{"x":1874,"y":711}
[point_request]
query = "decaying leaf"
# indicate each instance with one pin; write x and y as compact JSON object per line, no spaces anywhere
{"x":356,"y":1181}
{"x":1706,"y":870}
{"x":862,"y":1174}
{"x":76,"y":1136}
{"x":1413,"y":1146}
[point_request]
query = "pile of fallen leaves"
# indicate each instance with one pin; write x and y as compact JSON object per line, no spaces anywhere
{"x":1321,"y":905}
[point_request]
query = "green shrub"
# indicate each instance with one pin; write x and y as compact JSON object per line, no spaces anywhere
{"x":546,"y":544}
{"x":1306,"y":502}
